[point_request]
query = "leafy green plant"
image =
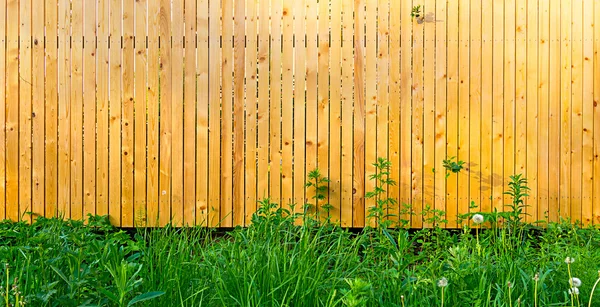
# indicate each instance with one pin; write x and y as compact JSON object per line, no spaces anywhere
{"x":320,"y":184}
{"x":416,"y":11}
{"x":518,"y":191}
{"x":380,"y":212}
{"x":453,"y":166}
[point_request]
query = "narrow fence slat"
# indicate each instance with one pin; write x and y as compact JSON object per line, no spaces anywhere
{"x":202,"y":102}
{"x":102,"y":95}
{"x":521,"y":92}
{"x":227,"y":110}
{"x":440,"y":106}
{"x":383,"y":84}
{"x":275,"y":120}
{"x":252,"y":117}
{"x":239,"y":70}
{"x":416,"y":151}
{"x":323,"y":100}
{"x":509,"y":95}
{"x":553,"y":114}
{"x":532,"y":94}
{"x":576,"y":109}
{"x":370,"y":136}
{"x":89,"y":108}
{"x":264,"y":105}
{"x":25,"y":90}
{"x":464,"y":106}
{"x":165,"y":119}
{"x":335,"y":113}
{"x":497,"y":107}
{"x":37,"y":113}
{"x":596,"y":171}
{"x":312,"y":65}
{"x":286,"y":105}
{"x":565,"y":99}
{"x":127,"y":122}
{"x":486,"y":106}
{"x":214,"y":117}
{"x":140,"y":110}
{"x":543,"y":101}
{"x":588,"y":113}
{"x":299,"y":105}
{"x":76,"y":103}
{"x":358,"y":177}
{"x":475,"y":102}
{"x":12,"y":114}
{"x":153,"y":185}
{"x":395,"y":87}
{"x":51,"y":105}
{"x":347,"y":108}
{"x":189,"y":115}
{"x":428,"y":166}
{"x":177,"y":114}
{"x":3,"y":104}
{"x":452,"y":109}
{"x":114,"y":107}
{"x":402,"y":101}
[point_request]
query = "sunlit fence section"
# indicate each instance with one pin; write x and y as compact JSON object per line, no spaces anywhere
{"x":191,"y":111}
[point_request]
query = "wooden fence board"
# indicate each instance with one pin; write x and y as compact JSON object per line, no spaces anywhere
{"x":358,"y":183}
{"x":275,"y":122}
{"x":51,"y":104}
{"x":464,"y":105}
{"x":323,"y":98}
{"x":38,"y":113}
{"x":554,"y":114}
{"x":190,"y":114}
{"x":202,"y":94}
{"x":214,"y":119}
{"x":475,"y":103}
{"x":452,"y":105}
{"x":177,"y":114}
{"x":576,"y":109}
{"x":565,"y":101}
{"x":429,"y":106}
{"x":128,"y":121}
{"x":166,"y":108}
{"x":252,"y":115}
{"x":335,"y":113}
{"x":140,"y":118}
{"x":264,"y":115}
{"x":588,"y":113}
{"x":299,"y":105}
{"x":25,"y":90}
{"x":440,"y":105}
{"x":371,"y":73}
{"x":287,"y":77}
{"x":102,"y":95}
{"x":89,"y":109}
{"x":543,"y":101}
{"x":312,"y":65}
{"x":12,"y":113}
{"x":532,"y":108}
{"x":396,"y":85}
{"x":153,"y":193}
{"x":239,"y":104}
{"x":115,"y":112}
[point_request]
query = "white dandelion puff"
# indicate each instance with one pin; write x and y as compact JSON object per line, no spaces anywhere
{"x":574,"y":291}
{"x":575,"y":282}
{"x":569,"y":260}
{"x":443,"y":282}
{"x":478,"y":218}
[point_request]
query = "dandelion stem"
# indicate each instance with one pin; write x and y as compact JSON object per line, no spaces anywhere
{"x":594,"y":288}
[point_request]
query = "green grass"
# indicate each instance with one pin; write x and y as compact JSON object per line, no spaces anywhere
{"x":275,"y":263}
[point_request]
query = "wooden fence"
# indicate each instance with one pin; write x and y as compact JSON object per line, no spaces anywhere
{"x":191,"y":111}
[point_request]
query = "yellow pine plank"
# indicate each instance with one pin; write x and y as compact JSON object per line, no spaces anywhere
{"x":543,"y":92}
{"x":12,"y":114}
{"x":238,"y":112}
{"x":576,"y":109}
{"x":214,"y":118}
{"x":286,"y":104}
{"x":251,"y":62}
{"x":189,"y":115}
{"x":335,"y":113}
{"x":127,"y":123}
{"x":394,"y":104}
{"x":486,"y":106}
{"x":89,"y":109}
{"x":25,"y":89}
{"x":76,"y":110}
{"x":452,"y":109}
{"x":509,"y":94}
{"x":358,"y":187}
{"x":177,"y":116}
{"x":299,"y":154}
{"x":347,"y":105}
{"x":553,"y":114}
{"x":588,"y":113}
{"x":262,"y":189}
{"x":323,"y":98}
{"x":463,"y":105}
{"x":114,"y":105}
{"x":227,"y":111}
{"x":497,"y":107}
{"x":417,"y":133}
{"x":102,"y":77}
{"x":153,"y":187}
{"x":38,"y":113}
{"x":275,"y":104}
{"x":202,"y":114}
{"x":429,"y":106}
{"x":51,"y":100}
{"x":474,"y":162}
{"x":383,"y":36}
{"x":166,"y":108}
{"x":440,"y":106}
{"x":139,"y":100}
{"x":3,"y":103}
{"x":596,"y":171}
{"x":521,"y":91}
{"x":312,"y":64}
{"x":403,"y":103}
{"x":370,"y":103}
{"x":532,"y":113}
{"x":565,"y":98}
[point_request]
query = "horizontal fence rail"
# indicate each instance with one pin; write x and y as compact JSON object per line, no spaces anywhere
{"x":191,"y":111}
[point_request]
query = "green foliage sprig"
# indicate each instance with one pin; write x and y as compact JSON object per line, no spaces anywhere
{"x":382,"y":203}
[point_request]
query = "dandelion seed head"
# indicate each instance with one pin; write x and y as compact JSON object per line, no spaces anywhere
{"x":536,"y":277}
{"x":509,"y":284}
{"x":443,"y":282}
{"x":575,"y":282}
{"x":569,"y":260}
{"x":478,"y":218}
{"x":574,"y":291}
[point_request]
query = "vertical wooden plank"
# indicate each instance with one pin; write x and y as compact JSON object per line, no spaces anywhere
{"x":251,"y":114}
{"x":102,"y":76}
{"x":38,"y":112}
{"x":497,"y":107}
{"x":463,"y":104}
{"x":189,"y":115}
{"x":452,"y":109}
{"x":474,"y":162}
{"x":440,"y":105}
{"x":596,"y":171}
{"x":127,"y":123}
{"x":335,"y":113}
{"x":25,"y":89}
{"x":177,"y":116}
{"x":262,"y":177}
{"x":140,"y":109}
{"x":227,"y":111}
{"x":202,"y":52}
{"x":486,"y":106}
{"x":275,"y":121}
{"x":358,"y":186}
{"x":416,"y":183}
{"x":347,"y":106}
{"x":166,"y":105}
{"x":299,"y":153}
{"x":12,"y":112}
{"x":588,"y":113}
{"x":312,"y":64}
{"x":76,"y":110}
{"x":543,"y":91}
{"x":576,"y":109}
{"x":89,"y":109}
{"x":238,"y":112}
{"x":214,"y":119}
{"x":371,"y":134}
{"x":429,"y":106}
{"x":3,"y":103}
{"x":565,"y":98}
{"x":51,"y":103}
{"x":286,"y":104}
{"x":521,"y":92}
{"x":554,"y":113}
{"x":395,"y":88}
{"x":114,"y":106}
{"x":323,"y":97}
{"x":153,"y":186}
{"x":509,"y":94}
{"x":383,"y":83}
{"x":532,"y":113}
{"x":404,"y":104}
